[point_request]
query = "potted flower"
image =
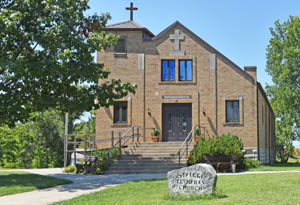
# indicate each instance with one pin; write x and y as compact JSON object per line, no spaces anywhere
{"x":155,"y":137}
{"x":197,"y":134}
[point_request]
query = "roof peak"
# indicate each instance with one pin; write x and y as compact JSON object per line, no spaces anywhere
{"x":128,"y":25}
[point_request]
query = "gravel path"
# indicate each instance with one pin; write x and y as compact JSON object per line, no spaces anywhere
{"x":83,"y":184}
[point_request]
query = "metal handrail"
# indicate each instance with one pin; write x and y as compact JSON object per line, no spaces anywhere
{"x":186,"y":142}
{"x":119,"y":142}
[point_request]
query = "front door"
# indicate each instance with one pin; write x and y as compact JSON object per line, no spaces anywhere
{"x":177,"y":121}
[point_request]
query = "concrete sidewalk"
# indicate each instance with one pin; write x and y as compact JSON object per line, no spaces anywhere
{"x":83,"y":184}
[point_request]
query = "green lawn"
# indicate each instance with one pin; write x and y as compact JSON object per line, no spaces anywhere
{"x":279,"y":188}
{"x":17,"y":182}
{"x":277,"y":167}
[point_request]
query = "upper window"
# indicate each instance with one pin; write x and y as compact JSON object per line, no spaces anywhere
{"x":120,"y":112}
{"x":120,"y":47}
{"x":185,"y":70}
{"x":167,"y":70}
{"x":232,"y":111}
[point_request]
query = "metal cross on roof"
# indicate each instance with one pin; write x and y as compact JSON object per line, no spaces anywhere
{"x":131,"y":8}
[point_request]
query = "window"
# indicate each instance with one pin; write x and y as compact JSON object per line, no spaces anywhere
{"x":167,"y":70}
{"x":146,"y":37}
{"x":120,"y":47}
{"x":120,"y":112}
{"x":185,"y":70}
{"x":232,"y":111}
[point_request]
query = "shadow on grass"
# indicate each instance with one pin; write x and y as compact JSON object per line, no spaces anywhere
{"x":14,"y":179}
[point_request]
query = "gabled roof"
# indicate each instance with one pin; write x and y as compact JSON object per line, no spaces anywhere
{"x":128,"y":26}
{"x":207,"y":46}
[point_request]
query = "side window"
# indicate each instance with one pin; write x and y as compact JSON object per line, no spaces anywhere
{"x":185,"y":70}
{"x":121,"y":46}
{"x":167,"y":70}
{"x":232,"y":111}
{"x":120,"y":112}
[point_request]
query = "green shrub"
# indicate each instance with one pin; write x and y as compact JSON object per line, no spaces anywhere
{"x":70,"y":169}
{"x":226,"y":144}
{"x":105,"y":160}
{"x":250,"y":163}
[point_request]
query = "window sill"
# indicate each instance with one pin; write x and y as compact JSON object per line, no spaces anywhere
{"x":177,"y":83}
{"x":120,"y":55}
{"x":233,"y":124}
{"x":120,"y":125}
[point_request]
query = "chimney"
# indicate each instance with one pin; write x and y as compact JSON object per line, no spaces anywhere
{"x":251,"y":70}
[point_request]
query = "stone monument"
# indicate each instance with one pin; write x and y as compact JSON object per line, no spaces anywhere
{"x":193,"y":180}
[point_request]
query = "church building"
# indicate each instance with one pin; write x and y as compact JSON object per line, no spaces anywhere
{"x":182,"y":83}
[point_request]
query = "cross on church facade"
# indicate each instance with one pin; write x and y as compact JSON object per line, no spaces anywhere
{"x":176,"y":37}
{"x":131,"y":8}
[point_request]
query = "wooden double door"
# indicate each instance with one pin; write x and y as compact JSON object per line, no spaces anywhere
{"x":176,"y":121}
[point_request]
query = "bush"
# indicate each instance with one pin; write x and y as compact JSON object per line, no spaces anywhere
{"x":105,"y":160}
{"x":70,"y":169}
{"x":250,"y":163}
{"x":226,"y":144}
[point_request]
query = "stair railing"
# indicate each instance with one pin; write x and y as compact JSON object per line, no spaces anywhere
{"x":131,"y":133}
{"x":184,"y":148}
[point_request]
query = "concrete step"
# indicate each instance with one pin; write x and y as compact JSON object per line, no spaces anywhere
{"x":150,"y":153}
{"x":153,"y":148}
{"x":158,"y":144}
{"x":162,"y":171}
{"x":145,"y":168}
{"x":129,"y":166}
{"x":149,"y":157}
{"x":149,"y":161}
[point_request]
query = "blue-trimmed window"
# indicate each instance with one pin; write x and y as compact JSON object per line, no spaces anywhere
{"x":232,"y":111}
{"x":185,"y":70}
{"x":167,"y":70}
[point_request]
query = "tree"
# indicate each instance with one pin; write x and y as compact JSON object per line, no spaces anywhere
{"x":37,"y":143}
{"x":46,"y":52}
{"x":283,"y":64}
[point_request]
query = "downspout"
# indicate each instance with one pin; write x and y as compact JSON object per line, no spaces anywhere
{"x":144,"y":113}
{"x":257,"y":110}
{"x":216,"y":82}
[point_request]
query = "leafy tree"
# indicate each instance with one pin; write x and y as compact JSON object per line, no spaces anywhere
{"x":46,"y":52}
{"x":283,"y":64}
{"x":37,"y":143}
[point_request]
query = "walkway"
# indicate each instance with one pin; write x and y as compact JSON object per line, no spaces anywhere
{"x":83,"y":184}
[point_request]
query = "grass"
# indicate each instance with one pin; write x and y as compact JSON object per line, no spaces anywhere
{"x":293,"y":164}
{"x":17,"y":182}
{"x":277,"y":167}
{"x":279,"y":188}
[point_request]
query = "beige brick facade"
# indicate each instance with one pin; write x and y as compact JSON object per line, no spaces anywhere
{"x":215,"y":80}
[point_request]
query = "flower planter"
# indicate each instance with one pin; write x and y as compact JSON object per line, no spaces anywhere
{"x":155,"y":139}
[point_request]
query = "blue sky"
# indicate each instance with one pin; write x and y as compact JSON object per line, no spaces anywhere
{"x":238,"y":29}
